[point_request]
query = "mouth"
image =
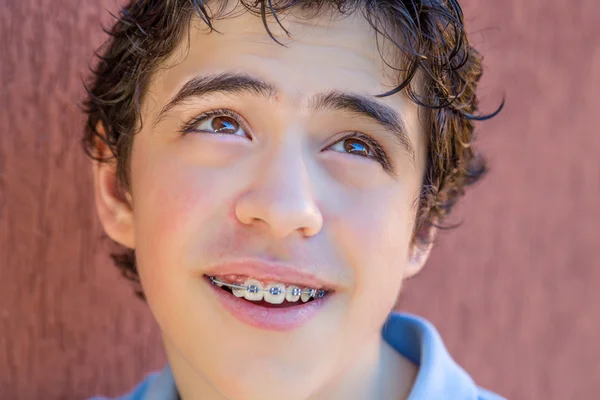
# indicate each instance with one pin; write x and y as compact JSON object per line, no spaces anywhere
{"x":269,"y":304}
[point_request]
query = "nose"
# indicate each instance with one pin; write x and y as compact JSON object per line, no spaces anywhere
{"x":281,"y":198}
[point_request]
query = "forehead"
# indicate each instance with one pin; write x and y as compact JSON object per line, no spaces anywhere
{"x":322,"y":53}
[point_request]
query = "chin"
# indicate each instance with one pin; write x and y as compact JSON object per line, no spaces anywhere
{"x":263,"y":380}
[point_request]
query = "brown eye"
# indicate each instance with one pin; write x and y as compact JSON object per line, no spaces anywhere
{"x":220,"y":122}
{"x":362,"y":145}
{"x":225,"y":124}
{"x":357,"y":147}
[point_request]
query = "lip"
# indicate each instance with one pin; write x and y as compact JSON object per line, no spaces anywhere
{"x":271,"y":272}
{"x":272,"y":319}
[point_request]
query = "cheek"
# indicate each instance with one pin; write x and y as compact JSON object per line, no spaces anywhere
{"x":173,"y":205}
{"x":375,"y":232}
{"x":375,"y":241}
{"x":171,"y":200}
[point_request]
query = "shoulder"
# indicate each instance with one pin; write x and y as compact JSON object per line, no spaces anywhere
{"x":155,"y":386}
{"x":138,"y":393}
{"x":141,"y":390}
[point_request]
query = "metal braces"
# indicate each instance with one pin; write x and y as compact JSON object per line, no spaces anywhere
{"x":317,"y":293}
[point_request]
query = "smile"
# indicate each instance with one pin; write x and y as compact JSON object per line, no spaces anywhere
{"x":268,"y":304}
{"x":272,"y":293}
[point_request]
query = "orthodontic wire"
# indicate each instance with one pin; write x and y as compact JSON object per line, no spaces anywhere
{"x":312,"y":292}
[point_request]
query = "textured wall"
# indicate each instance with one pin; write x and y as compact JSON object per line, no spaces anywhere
{"x":512,"y":291}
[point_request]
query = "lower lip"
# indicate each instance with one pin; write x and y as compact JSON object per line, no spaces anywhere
{"x":274,"y":319}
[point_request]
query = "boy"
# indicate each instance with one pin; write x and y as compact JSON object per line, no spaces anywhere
{"x":276,"y":170}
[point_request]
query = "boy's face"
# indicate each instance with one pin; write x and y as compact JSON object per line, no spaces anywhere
{"x":286,"y":175}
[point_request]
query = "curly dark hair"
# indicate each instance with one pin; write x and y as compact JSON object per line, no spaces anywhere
{"x":432,"y":44}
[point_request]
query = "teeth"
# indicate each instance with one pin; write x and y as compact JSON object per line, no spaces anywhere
{"x":293,"y":293}
{"x":275,"y":293}
{"x":238,"y":292}
{"x":254,"y":290}
{"x":307,"y":294}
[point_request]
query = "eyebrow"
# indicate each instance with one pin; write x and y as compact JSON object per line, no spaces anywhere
{"x":240,"y":84}
{"x":366,"y":106}
{"x":225,"y":83}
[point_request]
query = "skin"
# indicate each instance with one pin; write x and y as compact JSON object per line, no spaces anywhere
{"x":290,"y":193}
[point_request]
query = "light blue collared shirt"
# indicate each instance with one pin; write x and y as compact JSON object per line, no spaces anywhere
{"x":439,"y":376}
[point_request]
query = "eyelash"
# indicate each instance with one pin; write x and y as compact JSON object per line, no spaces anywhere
{"x":190,"y":127}
{"x":379,"y":153}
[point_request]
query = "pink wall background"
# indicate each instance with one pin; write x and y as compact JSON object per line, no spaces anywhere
{"x":514,"y":291}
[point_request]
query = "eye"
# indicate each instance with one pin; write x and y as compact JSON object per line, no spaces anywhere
{"x":362,"y":145}
{"x":356,"y":146}
{"x":223,"y":122}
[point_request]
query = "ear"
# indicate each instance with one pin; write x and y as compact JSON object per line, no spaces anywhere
{"x":113,"y":204}
{"x":420,"y":249}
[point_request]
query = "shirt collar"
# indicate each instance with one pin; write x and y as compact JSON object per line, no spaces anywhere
{"x":438,"y":375}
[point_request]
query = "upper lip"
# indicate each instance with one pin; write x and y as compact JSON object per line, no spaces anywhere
{"x":269,"y":271}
